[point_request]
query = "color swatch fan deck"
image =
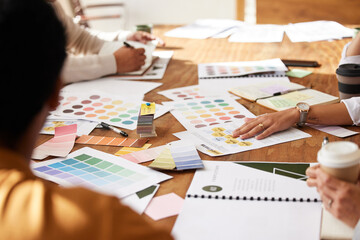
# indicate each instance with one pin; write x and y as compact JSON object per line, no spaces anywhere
{"x":100,"y":107}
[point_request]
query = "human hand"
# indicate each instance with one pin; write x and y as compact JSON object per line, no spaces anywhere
{"x":340,"y":198}
{"x":144,"y":37}
{"x":129,"y":59}
{"x":268,"y":123}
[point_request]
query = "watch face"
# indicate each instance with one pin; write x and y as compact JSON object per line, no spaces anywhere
{"x":303,"y":106}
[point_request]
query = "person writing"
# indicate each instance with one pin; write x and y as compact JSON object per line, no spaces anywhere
{"x":30,"y":207}
{"x":84,"y":62}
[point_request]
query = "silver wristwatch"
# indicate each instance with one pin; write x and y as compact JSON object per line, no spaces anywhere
{"x":303,"y":108}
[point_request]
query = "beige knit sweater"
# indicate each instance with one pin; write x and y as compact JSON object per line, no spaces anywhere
{"x":83,"y":61}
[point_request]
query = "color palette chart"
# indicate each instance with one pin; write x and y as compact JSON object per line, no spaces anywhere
{"x":144,"y":155}
{"x":111,"y":141}
{"x":217,"y":140}
{"x":100,"y":172}
{"x":201,"y":113}
{"x":183,"y":93}
{"x":233,"y":69}
{"x":100,"y":107}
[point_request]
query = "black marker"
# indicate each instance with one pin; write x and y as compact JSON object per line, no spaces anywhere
{"x":107,"y":126}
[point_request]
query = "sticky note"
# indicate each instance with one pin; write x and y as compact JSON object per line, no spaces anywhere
{"x":298,"y":73}
{"x":147,"y":108}
{"x":164,"y":206}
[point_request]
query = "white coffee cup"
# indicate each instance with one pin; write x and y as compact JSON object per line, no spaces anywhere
{"x":340,"y":159}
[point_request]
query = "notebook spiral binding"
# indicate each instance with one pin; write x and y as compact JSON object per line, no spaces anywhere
{"x":238,"y":198}
{"x":259,"y":75}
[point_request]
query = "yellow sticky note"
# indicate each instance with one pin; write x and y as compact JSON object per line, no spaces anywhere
{"x":147,"y":108}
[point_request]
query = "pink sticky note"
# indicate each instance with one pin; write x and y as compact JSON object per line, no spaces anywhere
{"x":60,"y":145}
{"x":164,"y":206}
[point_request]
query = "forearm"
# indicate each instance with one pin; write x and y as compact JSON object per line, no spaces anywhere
{"x":334,"y":114}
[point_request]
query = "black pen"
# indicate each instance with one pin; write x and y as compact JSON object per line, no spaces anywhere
{"x":282,"y":93}
{"x":128,"y":45}
{"x":107,"y":126}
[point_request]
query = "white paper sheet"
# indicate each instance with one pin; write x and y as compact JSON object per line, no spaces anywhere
{"x":317,"y":31}
{"x":203,"y":28}
{"x":218,"y":141}
{"x":264,"y":33}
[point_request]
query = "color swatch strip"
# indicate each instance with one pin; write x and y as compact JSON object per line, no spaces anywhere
{"x":144,"y":155}
{"x":111,"y":141}
{"x":186,"y":157}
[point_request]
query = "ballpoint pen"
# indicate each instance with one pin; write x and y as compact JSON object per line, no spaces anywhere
{"x":107,"y":126}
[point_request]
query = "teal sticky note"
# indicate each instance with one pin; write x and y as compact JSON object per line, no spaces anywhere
{"x":298,"y":73}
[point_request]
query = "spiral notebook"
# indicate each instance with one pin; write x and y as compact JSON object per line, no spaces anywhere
{"x":235,"y":69}
{"x":227,"y":200}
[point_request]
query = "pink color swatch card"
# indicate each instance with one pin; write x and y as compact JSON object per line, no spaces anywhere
{"x":164,"y":206}
{"x":60,"y":145}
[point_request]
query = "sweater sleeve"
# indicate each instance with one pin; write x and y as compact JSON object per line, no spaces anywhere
{"x":82,"y":62}
{"x":78,"y":68}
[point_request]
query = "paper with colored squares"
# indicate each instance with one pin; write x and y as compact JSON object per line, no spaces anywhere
{"x":100,"y":172}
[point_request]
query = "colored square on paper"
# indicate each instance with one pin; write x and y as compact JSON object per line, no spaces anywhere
{"x":164,"y":206}
{"x":127,"y":150}
{"x":111,"y":141}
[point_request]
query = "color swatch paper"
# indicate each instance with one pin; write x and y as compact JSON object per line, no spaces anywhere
{"x":83,"y":127}
{"x":140,"y":200}
{"x":102,"y":107}
{"x":100,"y":172}
{"x":218,"y":141}
{"x":164,"y":206}
{"x":233,"y":69}
{"x":193,"y":114}
{"x":178,"y":156}
{"x":111,"y":141}
{"x":144,"y":155}
{"x":127,"y":150}
{"x":185,"y":156}
{"x":164,"y":160}
{"x":59,"y":146}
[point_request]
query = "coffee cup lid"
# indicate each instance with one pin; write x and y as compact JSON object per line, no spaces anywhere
{"x":339,"y":154}
{"x":349,"y":70}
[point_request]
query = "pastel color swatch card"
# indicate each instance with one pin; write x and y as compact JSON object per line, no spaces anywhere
{"x":144,"y":155}
{"x":164,"y":160}
{"x":111,"y":141}
{"x":164,"y":206}
{"x":60,"y":145}
{"x":193,"y":114}
{"x":83,"y":127}
{"x":100,"y":172}
{"x":127,"y":150}
{"x":185,"y":156}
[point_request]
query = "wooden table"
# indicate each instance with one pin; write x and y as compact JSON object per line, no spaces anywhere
{"x":182,"y":71}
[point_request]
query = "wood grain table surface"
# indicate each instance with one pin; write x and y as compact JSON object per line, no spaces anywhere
{"x":182,"y":71}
